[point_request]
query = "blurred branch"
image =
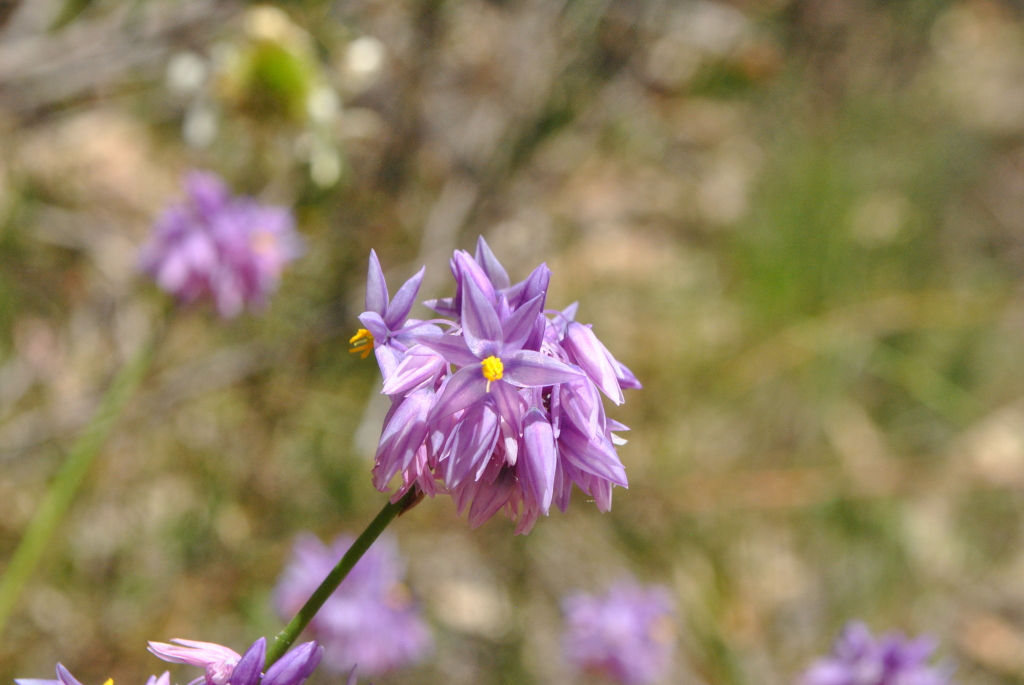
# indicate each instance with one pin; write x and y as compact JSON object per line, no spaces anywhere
{"x":43,"y":70}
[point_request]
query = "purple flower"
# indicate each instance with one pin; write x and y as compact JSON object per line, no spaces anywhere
{"x":858,"y":658}
{"x":519,"y":420}
{"x":385,"y":331}
{"x":627,"y":635}
{"x":224,"y":666}
{"x":229,"y":249}
{"x":64,"y":677}
{"x":370,"y":620}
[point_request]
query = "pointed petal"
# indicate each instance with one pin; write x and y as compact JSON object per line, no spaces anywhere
{"x":413,"y":371}
{"x":388,"y":359}
{"x":403,"y":434}
{"x":472,"y":443}
{"x":405,"y":298}
{"x":36,"y":681}
{"x":480,"y":324}
{"x":627,"y":381}
{"x":490,"y":264}
{"x":464,"y":388}
{"x":352,"y":676}
{"x":529,"y":369}
{"x":535,"y":285}
{"x":537,"y":465}
{"x":509,"y":404}
{"x":518,"y":326}
{"x":466,"y":270}
{"x":452,"y":348}
{"x":444,"y":306}
{"x":250,"y":666}
{"x":295,"y":666}
{"x":65,"y":677}
{"x":376,"y":287}
{"x":490,"y":497}
{"x":373,"y":322}
{"x":591,"y":455}
{"x":590,"y":355}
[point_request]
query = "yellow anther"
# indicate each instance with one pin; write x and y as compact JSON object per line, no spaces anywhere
{"x":493,"y":370}
{"x":110,"y":681}
{"x":366,"y":346}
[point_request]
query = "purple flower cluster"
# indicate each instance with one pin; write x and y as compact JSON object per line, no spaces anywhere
{"x":64,"y":677}
{"x":858,"y":658}
{"x":519,"y":421}
{"x":370,"y":620}
{"x":229,"y":249}
{"x":627,"y":635}
{"x":224,"y":666}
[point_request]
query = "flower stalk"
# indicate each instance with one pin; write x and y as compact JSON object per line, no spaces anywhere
{"x":283,"y":641}
{"x":64,"y":487}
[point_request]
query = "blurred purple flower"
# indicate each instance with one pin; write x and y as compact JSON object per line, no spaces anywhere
{"x":858,"y":658}
{"x":370,"y":620}
{"x":229,"y":249}
{"x":64,"y":677}
{"x":627,"y":635}
{"x":224,"y":666}
{"x":519,"y":421}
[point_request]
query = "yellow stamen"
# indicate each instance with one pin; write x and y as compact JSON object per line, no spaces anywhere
{"x":366,"y":347}
{"x":493,"y":370}
{"x":110,"y":681}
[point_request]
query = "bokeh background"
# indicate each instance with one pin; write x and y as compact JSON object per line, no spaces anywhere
{"x":800,"y":222}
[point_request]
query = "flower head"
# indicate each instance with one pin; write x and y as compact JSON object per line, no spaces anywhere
{"x":628,"y":635}
{"x":502,"y":410}
{"x":370,"y":620}
{"x":858,"y":658}
{"x":64,"y":677}
{"x":229,"y":249}
{"x":224,"y":666}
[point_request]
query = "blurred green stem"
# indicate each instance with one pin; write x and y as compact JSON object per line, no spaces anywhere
{"x":62,"y":491}
{"x":286,"y":637}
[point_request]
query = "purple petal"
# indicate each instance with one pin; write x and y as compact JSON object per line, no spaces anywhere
{"x":472,"y":443}
{"x":373,"y":322}
{"x":490,"y":497}
{"x":444,"y":306}
{"x":36,"y":681}
{"x":464,"y":388}
{"x":413,"y":371}
{"x":466,"y":270}
{"x":404,"y":300}
{"x":627,"y":381}
{"x":65,"y":677}
{"x":518,"y":326}
{"x":480,"y":324}
{"x":536,"y":466}
{"x":591,"y":455}
{"x":403,"y":434}
{"x":295,"y":666}
{"x":388,"y":359}
{"x":509,"y":403}
{"x":452,"y":348}
{"x":352,"y":676}
{"x":535,"y":285}
{"x":376,"y":287}
{"x":590,"y":354}
{"x":249,"y":668}
{"x":490,"y":264}
{"x":529,"y":369}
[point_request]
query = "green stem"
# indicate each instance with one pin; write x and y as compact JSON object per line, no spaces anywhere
{"x":62,"y":491}
{"x":286,"y":637}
